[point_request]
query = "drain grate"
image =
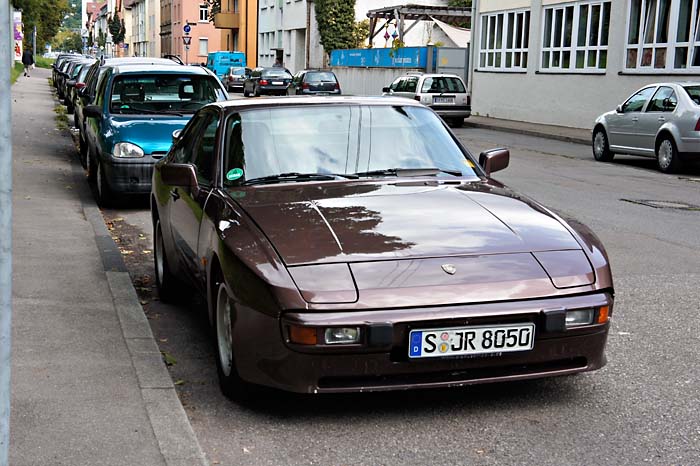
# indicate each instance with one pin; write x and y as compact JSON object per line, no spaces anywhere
{"x":663,"y":204}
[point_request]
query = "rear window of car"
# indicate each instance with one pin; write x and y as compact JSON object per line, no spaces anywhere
{"x":316,"y":76}
{"x":152,"y":92}
{"x":281,"y":73}
{"x":237,"y":71}
{"x":440,"y":84}
{"x":694,"y":93}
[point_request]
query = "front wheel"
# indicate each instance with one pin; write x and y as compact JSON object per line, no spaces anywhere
{"x":165,"y":279}
{"x":105,"y":196}
{"x":667,"y":157}
{"x":245,"y":92}
{"x":231,"y":383}
{"x":601,"y":148}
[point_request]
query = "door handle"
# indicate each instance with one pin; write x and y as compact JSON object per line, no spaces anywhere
{"x":175,"y":194}
{"x":635,"y":119}
{"x":662,"y":119}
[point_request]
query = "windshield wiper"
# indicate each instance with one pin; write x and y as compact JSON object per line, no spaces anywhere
{"x":295,"y":176}
{"x":408,"y":172}
{"x":143,"y":111}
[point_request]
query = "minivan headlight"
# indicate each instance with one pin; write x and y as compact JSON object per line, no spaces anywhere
{"x":127,"y":150}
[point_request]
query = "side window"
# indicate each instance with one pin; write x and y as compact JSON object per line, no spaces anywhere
{"x":637,"y":101}
{"x":180,"y":152}
{"x":663,"y":101}
{"x":395,"y":85}
{"x":411,"y":84}
{"x":203,"y":148}
{"x":102,"y":80}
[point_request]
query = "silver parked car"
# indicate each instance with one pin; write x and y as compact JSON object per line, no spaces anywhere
{"x":446,"y":94}
{"x":660,"y":120}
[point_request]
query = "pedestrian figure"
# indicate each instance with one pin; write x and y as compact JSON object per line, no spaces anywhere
{"x":27,"y":61}
{"x":278,"y":63}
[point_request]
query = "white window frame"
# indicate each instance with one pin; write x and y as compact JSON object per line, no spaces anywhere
{"x":671,"y":46}
{"x":503,"y":59}
{"x":547,"y":62}
{"x":203,"y":40}
{"x":203,"y":7}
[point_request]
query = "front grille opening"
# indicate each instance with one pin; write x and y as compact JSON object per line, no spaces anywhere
{"x":464,"y":375}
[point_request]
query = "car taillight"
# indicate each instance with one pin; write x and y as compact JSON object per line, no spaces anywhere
{"x":263,"y":82}
{"x":336,"y":87}
{"x":697,"y":125}
{"x":305,"y":86}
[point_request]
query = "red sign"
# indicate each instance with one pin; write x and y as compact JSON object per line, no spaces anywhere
{"x":186,"y":40}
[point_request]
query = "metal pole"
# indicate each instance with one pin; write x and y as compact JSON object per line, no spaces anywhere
{"x":34,"y":43}
{"x":6,"y":62}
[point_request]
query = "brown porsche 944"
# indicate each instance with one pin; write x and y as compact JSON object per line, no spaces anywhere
{"x":348,"y":243}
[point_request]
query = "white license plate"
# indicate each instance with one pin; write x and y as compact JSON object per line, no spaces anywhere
{"x":277,"y":83}
{"x":443,"y":100}
{"x":486,"y":339}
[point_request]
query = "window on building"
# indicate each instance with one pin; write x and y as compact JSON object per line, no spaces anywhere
{"x":203,"y":13}
{"x":663,"y":35}
{"x":504,"y":41}
{"x":575,"y":37}
{"x":203,"y":46}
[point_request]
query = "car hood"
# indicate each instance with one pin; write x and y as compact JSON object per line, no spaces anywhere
{"x":361,"y":222}
{"x":153,"y":134}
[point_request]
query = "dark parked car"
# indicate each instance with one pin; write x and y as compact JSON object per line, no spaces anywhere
{"x":129,"y":127}
{"x":73,"y":79}
{"x":353,"y":244}
{"x":314,"y":82}
{"x":267,"y":81}
{"x":235,"y":77}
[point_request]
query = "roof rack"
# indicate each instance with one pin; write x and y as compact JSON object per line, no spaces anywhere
{"x":174,"y":58}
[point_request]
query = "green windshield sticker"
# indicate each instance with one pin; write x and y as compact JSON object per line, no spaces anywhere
{"x":234,"y":174}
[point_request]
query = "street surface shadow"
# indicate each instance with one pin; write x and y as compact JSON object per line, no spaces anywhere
{"x":690,"y":169}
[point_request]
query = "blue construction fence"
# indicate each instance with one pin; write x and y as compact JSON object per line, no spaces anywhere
{"x":405,"y":57}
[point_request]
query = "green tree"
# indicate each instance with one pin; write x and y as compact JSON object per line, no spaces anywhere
{"x":336,"y":23}
{"x":116,"y":28}
{"x":46,"y":15}
{"x":460,"y":3}
{"x":101,"y":38}
{"x":361,"y":33}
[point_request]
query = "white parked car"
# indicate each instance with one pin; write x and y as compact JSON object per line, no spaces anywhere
{"x":446,"y":94}
{"x":660,"y":120}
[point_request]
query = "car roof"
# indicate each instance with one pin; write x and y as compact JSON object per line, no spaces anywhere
{"x":295,"y":101}
{"x":159,"y":68}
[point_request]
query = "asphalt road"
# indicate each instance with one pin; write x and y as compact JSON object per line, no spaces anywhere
{"x":642,"y":408}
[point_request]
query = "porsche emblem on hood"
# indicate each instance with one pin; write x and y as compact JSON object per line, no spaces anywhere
{"x":449,"y":268}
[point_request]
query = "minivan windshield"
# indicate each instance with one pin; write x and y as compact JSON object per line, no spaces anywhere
{"x":339,"y":140}
{"x":163,"y":93}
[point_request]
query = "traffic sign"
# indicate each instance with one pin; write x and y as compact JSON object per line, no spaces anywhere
{"x":187,"y":28}
{"x":187,"y":40}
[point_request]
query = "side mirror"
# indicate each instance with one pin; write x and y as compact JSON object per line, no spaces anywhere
{"x":386,"y":89}
{"x":178,"y":174}
{"x":668,"y":104}
{"x":618,"y":109}
{"x":92,"y":111}
{"x":176,"y":134}
{"x":494,"y":160}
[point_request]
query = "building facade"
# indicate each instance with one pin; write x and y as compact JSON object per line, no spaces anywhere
{"x":287,"y":34}
{"x":238,"y":23}
{"x":566,"y":62}
{"x":203,"y":37}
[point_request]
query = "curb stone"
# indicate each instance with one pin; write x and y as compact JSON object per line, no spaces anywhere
{"x":171,"y":427}
{"x":528,"y":132}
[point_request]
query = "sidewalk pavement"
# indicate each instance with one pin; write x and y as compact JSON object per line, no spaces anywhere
{"x":559,"y":133}
{"x":89,"y":386}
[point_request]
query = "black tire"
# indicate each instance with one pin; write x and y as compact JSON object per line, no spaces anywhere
{"x":105,"y":196}
{"x":257,"y":92}
{"x":83,"y":150}
{"x":91,"y":165}
{"x":231,"y":383}
{"x":245,"y":92}
{"x":667,"y":157}
{"x":166,"y":283}
{"x":600,"y":146}
{"x":458,"y":122}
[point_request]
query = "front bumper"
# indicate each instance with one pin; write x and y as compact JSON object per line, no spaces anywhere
{"x":263,"y":357}
{"x":129,"y":176}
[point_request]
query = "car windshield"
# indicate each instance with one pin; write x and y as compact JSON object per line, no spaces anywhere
{"x":281,"y":73}
{"x":693,"y":93}
{"x":325,"y":77}
{"x":166,"y":92}
{"x":440,"y":84}
{"x":339,"y":140}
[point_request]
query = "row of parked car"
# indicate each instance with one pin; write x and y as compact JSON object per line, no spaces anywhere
{"x":125,"y":111}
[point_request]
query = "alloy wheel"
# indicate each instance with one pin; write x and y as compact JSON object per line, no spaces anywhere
{"x":665,"y":154}
{"x":223,"y":330}
{"x":599,"y":144}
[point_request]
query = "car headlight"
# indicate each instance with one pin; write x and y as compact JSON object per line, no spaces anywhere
{"x":127,"y":150}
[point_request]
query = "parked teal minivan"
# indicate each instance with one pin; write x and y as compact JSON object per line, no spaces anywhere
{"x":221,"y":62}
